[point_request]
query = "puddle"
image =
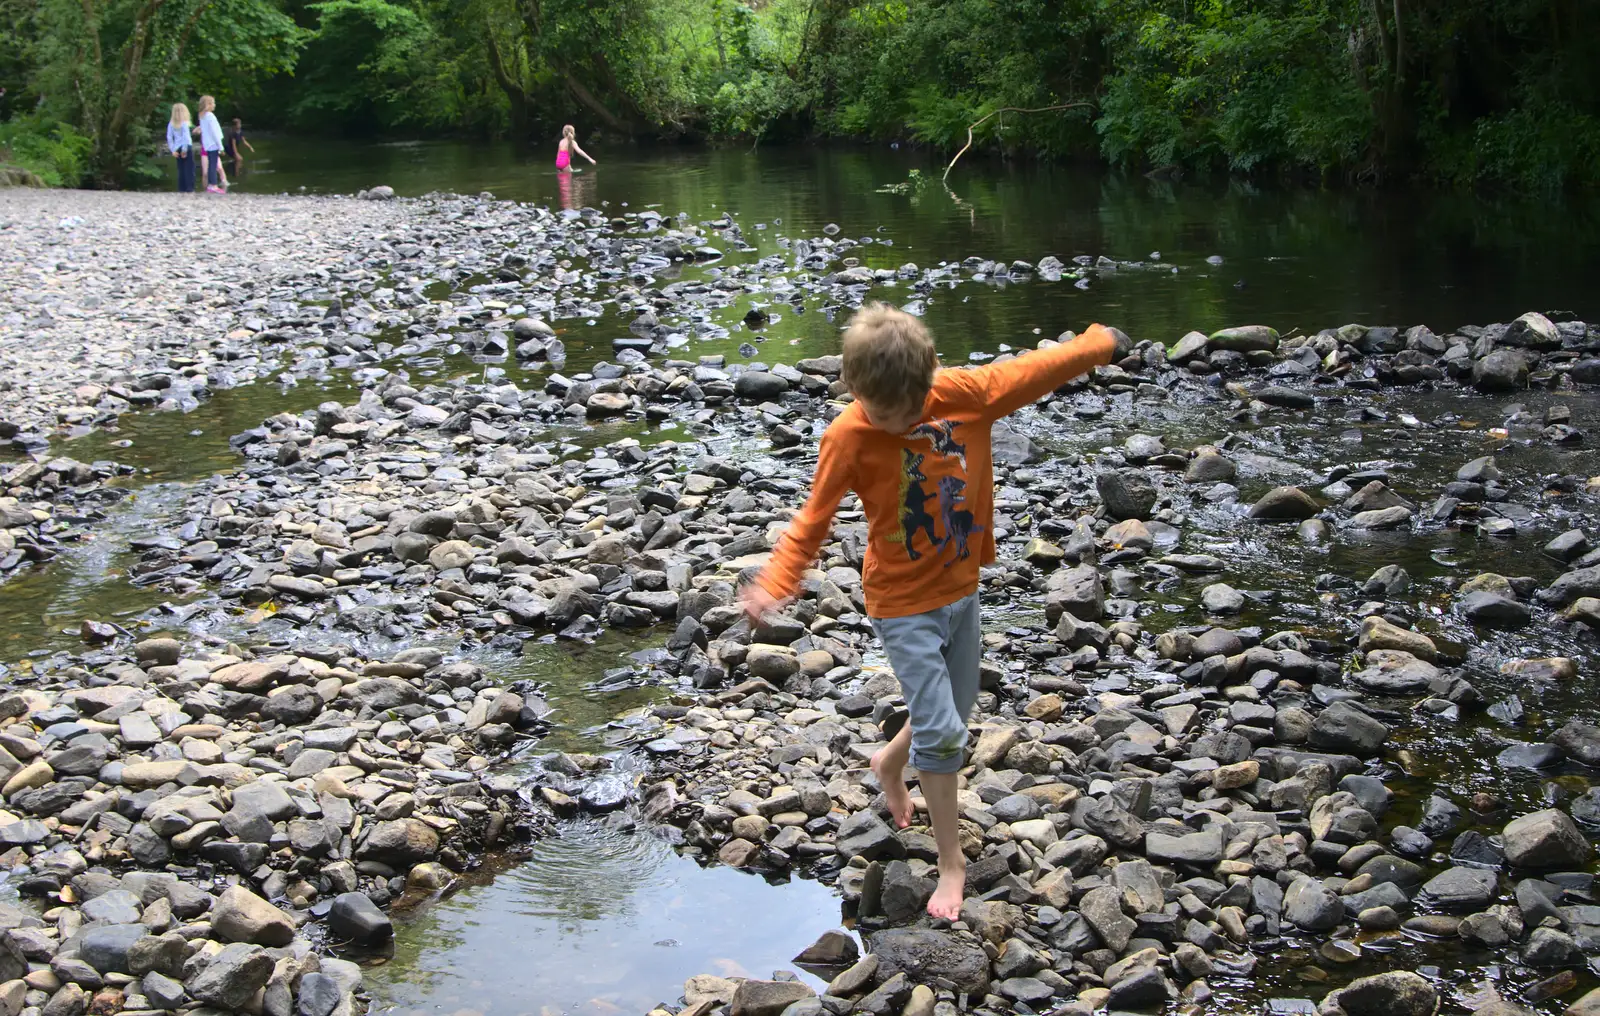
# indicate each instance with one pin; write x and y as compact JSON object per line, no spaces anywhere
{"x":597,"y":922}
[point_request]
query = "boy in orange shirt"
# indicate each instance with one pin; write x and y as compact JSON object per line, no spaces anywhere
{"x":914,"y":446}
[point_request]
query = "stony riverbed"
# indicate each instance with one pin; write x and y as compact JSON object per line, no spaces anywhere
{"x":1289,"y":662}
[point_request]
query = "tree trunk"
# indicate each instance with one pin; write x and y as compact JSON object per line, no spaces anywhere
{"x":516,"y":95}
{"x":592,"y":103}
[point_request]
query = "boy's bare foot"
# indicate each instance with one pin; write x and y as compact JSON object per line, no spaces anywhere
{"x":894,"y":788}
{"x":946,"y":900}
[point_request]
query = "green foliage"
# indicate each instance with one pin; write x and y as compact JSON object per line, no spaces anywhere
{"x":360,"y":69}
{"x":109,"y":68}
{"x":51,"y":150}
{"x":1466,"y":92}
{"x":1244,"y":90}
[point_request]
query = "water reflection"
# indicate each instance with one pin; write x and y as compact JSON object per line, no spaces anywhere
{"x":599,"y":921}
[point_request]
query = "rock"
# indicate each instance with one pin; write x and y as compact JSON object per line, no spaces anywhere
{"x":1555,"y":668}
{"x":1078,"y":591}
{"x":318,"y":994}
{"x":1486,"y":607}
{"x":866,"y":835}
{"x":1501,"y":371}
{"x":106,"y":948}
{"x":759,"y":386}
{"x":904,"y":894}
{"x":1245,"y":338}
{"x":1396,"y":672}
{"x":1579,"y":741}
{"x":232,"y":977}
{"x":1221,"y":598}
{"x":1345,"y":728}
{"x":1462,"y":888}
{"x":355,"y":918}
{"x":1200,"y":849}
{"x":1102,"y":908}
{"x":832,"y":948}
{"x":1311,"y":905}
{"x":1382,"y":518}
{"x":1126,"y":493}
{"x":1547,"y":947}
{"x":451,"y":554}
{"x":1376,"y":633}
{"x":1588,"y":1005}
{"x":239,"y":915}
{"x":1239,"y":774}
{"x":854,"y":980}
{"x":400,"y":843}
{"x":1396,"y":993}
{"x":767,"y":998}
{"x":1545,"y":839}
{"x":1210,"y":466}
{"x":924,"y":955}
{"x":162,"y":991}
{"x":1284,"y":504}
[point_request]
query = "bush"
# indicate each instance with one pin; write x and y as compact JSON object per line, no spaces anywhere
{"x":51,"y":150}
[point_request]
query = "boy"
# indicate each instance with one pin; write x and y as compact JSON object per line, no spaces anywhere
{"x":914,"y":442}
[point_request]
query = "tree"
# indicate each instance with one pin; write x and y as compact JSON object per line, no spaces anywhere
{"x":107,"y":66}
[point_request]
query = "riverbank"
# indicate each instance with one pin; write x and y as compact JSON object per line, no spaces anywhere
{"x":1258,"y":598}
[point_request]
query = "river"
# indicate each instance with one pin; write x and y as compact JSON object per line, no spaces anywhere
{"x":606,"y":919}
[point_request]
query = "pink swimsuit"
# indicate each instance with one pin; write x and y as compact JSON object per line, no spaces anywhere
{"x":563,"y":159}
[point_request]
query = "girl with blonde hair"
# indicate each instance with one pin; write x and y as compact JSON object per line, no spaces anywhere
{"x":178,"y":143}
{"x":567,"y":145}
{"x":211,"y":141}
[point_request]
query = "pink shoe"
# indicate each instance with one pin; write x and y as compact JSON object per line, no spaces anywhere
{"x":213,"y":190}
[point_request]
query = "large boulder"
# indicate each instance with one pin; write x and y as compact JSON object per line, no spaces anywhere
{"x":233,"y":976}
{"x":1574,"y":585}
{"x":1579,"y":741}
{"x":1344,"y":727}
{"x":1126,"y":493}
{"x":1503,"y":370}
{"x":400,"y":842}
{"x":1284,"y":504}
{"x":1244,"y":339}
{"x":768,"y":998}
{"x":239,"y":915}
{"x":1546,"y":839}
{"x":1396,"y":993}
{"x":924,"y":955}
{"x":1077,"y":591}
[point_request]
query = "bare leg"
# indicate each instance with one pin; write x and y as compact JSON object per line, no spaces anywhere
{"x":939,"y":790}
{"x":889,"y":764}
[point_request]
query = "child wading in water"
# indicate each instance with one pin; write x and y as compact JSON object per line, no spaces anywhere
{"x":566,"y":146}
{"x":181,"y":146}
{"x":234,"y":144}
{"x":914,"y":446}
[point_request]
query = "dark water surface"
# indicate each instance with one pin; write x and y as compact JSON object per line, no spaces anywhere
{"x":1292,"y":257}
{"x":604,"y":919}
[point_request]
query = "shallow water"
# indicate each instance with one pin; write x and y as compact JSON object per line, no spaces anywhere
{"x":576,"y":929}
{"x":596,"y":922}
{"x":1291,"y":257}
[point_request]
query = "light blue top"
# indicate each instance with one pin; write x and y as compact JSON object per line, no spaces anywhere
{"x":210,"y":132}
{"x":177,"y":137}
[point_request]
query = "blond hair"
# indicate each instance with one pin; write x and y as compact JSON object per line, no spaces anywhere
{"x":569,"y":132}
{"x":180,"y":114}
{"x":889,"y":358}
{"x":207,"y":103}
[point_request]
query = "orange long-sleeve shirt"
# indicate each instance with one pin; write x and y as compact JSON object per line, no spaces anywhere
{"x":928,"y":493}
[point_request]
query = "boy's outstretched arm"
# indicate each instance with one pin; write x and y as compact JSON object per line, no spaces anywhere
{"x":1004,"y":388}
{"x":794,"y":553}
